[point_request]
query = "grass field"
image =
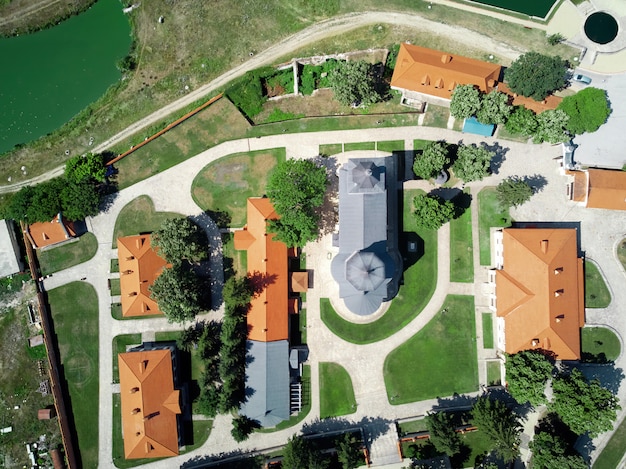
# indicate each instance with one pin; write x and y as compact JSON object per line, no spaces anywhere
{"x":494,"y":375}
{"x":138,"y":216}
{"x":413,"y":426}
{"x":331,"y":149}
{"x":597,"y":294}
{"x":489,"y":214}
{"x":461,"y":251}
{"x":226,"y":184}
{"x":74,"y":310}
{"x":487,"y":330}
{"x":420,"y":278}
{"x":67,"y":255}
{"x":599,"y":344}
{"x":336,"y":393}
{"x":439,"y":360}
{"x":390,"y":145}
{"x":436,"y":116}
{"x":613,"y":452}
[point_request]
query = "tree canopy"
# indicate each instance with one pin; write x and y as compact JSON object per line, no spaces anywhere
{"x":180,"y":239}
{"x":513,"y":191}
{"x":300,"y":452}
{"x":89,"y":167}
{"x":472,"y":162}
{"x":551,"y":450}
{"x":551,"y":127}
{"x":527,"y":373}
{"x":584,"y":406}
{"x":354,"y":83}
{"x":242,"y":427}
{"x":434,"y":157}
{"x":465,"y":101}
{"x":296,"y":188}
{"x":522,"y":121}
{"x":431,"y":211}
{"x":536,"y":75}
{"x":494,"y":108}
{"x":178,"y":293}
{"x":587,"y":110}
{"x":442,"y":433}
{"x":500,"y":424}
{"x":349,"y":451}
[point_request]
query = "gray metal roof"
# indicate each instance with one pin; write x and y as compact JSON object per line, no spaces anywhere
{"x":9,"y":251}
{"x":267,"y":382}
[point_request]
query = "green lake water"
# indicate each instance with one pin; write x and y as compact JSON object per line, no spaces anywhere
{"x":47,"y":77}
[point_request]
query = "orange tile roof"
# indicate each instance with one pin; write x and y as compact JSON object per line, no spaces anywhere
{"x":268,"y":317}
{"x":606,"y":189}
{"x":44,"y":234}
{"x":540,"y":291}
{"x":579,"y":188}
{"x":437,"y":73}
{"x":139,"y":266}
{"x":149,"y":404}
{"x":551,"y":102}
{"x":299,"y":282}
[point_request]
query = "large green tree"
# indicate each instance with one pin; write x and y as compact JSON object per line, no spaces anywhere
{"x":465,"y":101}
{"x":434,"y":157}
{"x":513,"y":191}
{"x":300,"y":453}
{"x":349,"y":451}
{"x":536,"y":75}
{"x":527,"y":373}
{"x":180,"y":239}
{"x":472,"y":162}
{"x":296,"y":188}
{"x":584,"y":406}
{"x":79,"y":200}
{"x":500,"y":424}
{"x":242,"y":427}
{"x":551,"y":451}
{"x":431,"y":211}
{"x":522,"y":121}
{"x":442,"y":433}
{"x":551,"y":127}
{"x":354,"y":83}
{"x":178,"y":293}
{"x":587,"y":110}
{"x":494,"y":108}
{"x":89,"y":167}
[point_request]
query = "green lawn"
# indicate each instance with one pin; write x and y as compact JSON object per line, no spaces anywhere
{"x":120,"y":343}
{"x":419,"y":144}
{"x":597,"y":294}
{"x":420,"y":281}
{"x":436,"y":116}
{"x":75,"y":315}
{"x":115,"y":265}
{"x":494,"y":375}
{"x":439,"y":360}
{"x":461,"y":251}
{"x":413,"y":426}
{"x":336,"y":393}
{"x":201,"y":432}
{"x":67,"y":255}
{"x":331,"y":149}
{"x":234,"y":261}
{"x":115,"y":287}
{"x":480,"y":444}
{"x":138,"y":216}
{"x":197,"y":365}
{"x":613,"y":452}
{"x":225,"y":185}
{"x":390,"y":145}
{"x":487,"y":330}
{"x":306,"y":404}
{"x":360,"y":146}
{"x":489,"y":214}
{"x":599,"y":344}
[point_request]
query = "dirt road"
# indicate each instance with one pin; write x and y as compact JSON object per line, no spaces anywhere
{"x":310,"y":35}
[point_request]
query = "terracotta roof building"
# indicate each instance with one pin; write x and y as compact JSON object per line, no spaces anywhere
{"x":46,"y":234}
{"x":539,"y":291}
{"x":599,"y":188}
{"x":551,"y":101}
{"x":267,"y":371}
{"x":139,"y":266}
{"x":149,"y":404}
{"x":437,"y":73}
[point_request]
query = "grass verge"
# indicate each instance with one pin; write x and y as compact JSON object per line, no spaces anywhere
{"x":597,"y":294}
{"x":461,"y":249}
{"x":445,"y":349}
{"x":226,"y":184}
{"x":336,"y":392}
{"x":139,"y":216}
{"x":494,"y":375}
{"x":74,"y":310}
{"x":487,"y":330}
{"x":436,"y":116}
{"x":67,"y":255}
{"x":489,"y":214}
{"x":599,"y":344}
{"x":614,"y":450}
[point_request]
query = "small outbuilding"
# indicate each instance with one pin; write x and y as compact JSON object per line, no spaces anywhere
{"x":46,"y":414}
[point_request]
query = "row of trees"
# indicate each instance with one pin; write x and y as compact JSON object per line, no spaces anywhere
{"x":300,"y":452}
{"x":77,"y":194}
{"x":469,"y":162}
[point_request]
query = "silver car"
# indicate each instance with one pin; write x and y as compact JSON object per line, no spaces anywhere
{"x":582,"y":79}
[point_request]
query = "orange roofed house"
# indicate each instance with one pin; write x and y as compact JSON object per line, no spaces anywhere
{"x":46,"y":234}
{"x":150,"y":404}
{"x":267,"y":373}
{"x":599,"y":188}
{"x":539,"y":291}
{"x":139,"y":266}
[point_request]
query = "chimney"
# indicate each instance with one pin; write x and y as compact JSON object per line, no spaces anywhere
{"x":558,"y":270}
{"x":544,"y":245}
{"x":130,"y":258}
{"x":559,"y":292}
{"x":143,"y":364}
{"x":445,"y":58}
{"x":560,"y":317}
{"x":535,"y":342}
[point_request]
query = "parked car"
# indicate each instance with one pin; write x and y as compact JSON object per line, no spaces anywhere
{"x":582,"y":79}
